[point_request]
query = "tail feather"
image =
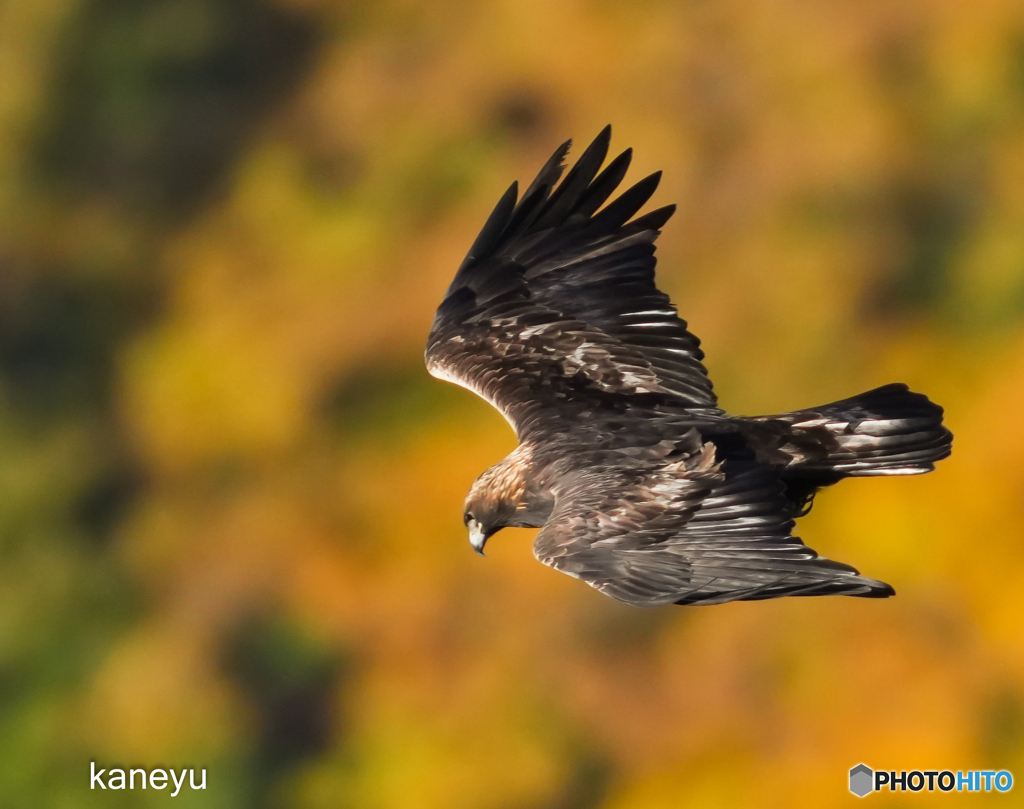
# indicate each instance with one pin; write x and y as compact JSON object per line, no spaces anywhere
{"x":887,"y":431}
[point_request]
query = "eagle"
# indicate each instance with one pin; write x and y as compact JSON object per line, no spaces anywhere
{"x":642,"y":486}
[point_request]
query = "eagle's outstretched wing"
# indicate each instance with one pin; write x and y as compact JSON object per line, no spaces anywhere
{"x":720,"y":533}
{"x":556,"y":298}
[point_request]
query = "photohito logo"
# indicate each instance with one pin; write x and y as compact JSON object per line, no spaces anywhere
{"x":864,"y":780}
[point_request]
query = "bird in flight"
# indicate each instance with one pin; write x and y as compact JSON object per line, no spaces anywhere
{"x":642,"y":486}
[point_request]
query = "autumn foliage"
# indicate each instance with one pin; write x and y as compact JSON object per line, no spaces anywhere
{"x":230,"y":495}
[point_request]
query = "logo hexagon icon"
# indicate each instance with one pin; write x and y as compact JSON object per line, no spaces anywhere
{"x":861,"y":780}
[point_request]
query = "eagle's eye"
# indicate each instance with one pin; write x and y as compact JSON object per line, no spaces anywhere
{"x":466,"y":518}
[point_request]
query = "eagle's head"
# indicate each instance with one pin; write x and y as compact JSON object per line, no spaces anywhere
{"x":485,"y":517}
{"x":501,"y":497}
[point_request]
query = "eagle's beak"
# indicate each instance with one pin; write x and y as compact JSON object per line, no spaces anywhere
{"x":477,"y":538}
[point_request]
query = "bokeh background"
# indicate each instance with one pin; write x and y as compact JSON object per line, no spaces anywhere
{"x":230,"y":496}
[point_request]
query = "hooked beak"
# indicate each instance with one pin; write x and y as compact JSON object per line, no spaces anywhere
{"x":477,"y":538}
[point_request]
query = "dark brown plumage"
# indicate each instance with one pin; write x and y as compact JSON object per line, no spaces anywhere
{"x":643,"y":486}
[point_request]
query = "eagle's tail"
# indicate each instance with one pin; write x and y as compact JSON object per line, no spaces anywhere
{"x":887,"y":431}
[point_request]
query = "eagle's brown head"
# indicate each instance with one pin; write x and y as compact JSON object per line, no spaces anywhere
{"x":504,"y":496}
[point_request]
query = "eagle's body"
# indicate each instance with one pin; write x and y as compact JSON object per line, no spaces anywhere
{"x":643,"y":486}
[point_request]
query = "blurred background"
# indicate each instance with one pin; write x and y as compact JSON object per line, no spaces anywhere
{"x":230,"y":495}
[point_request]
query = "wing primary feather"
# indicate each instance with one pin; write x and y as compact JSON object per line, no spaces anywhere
{"x":551,"y":171}
{"x":654,"y":220}
{"x":495,"y":226}
{"x":620,"y":210}
{"x":604,"y":186}
{"x":565,"y":198}
{"x":526,"y":211}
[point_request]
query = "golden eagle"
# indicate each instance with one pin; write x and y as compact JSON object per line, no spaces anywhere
{"x":643,"y":487}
